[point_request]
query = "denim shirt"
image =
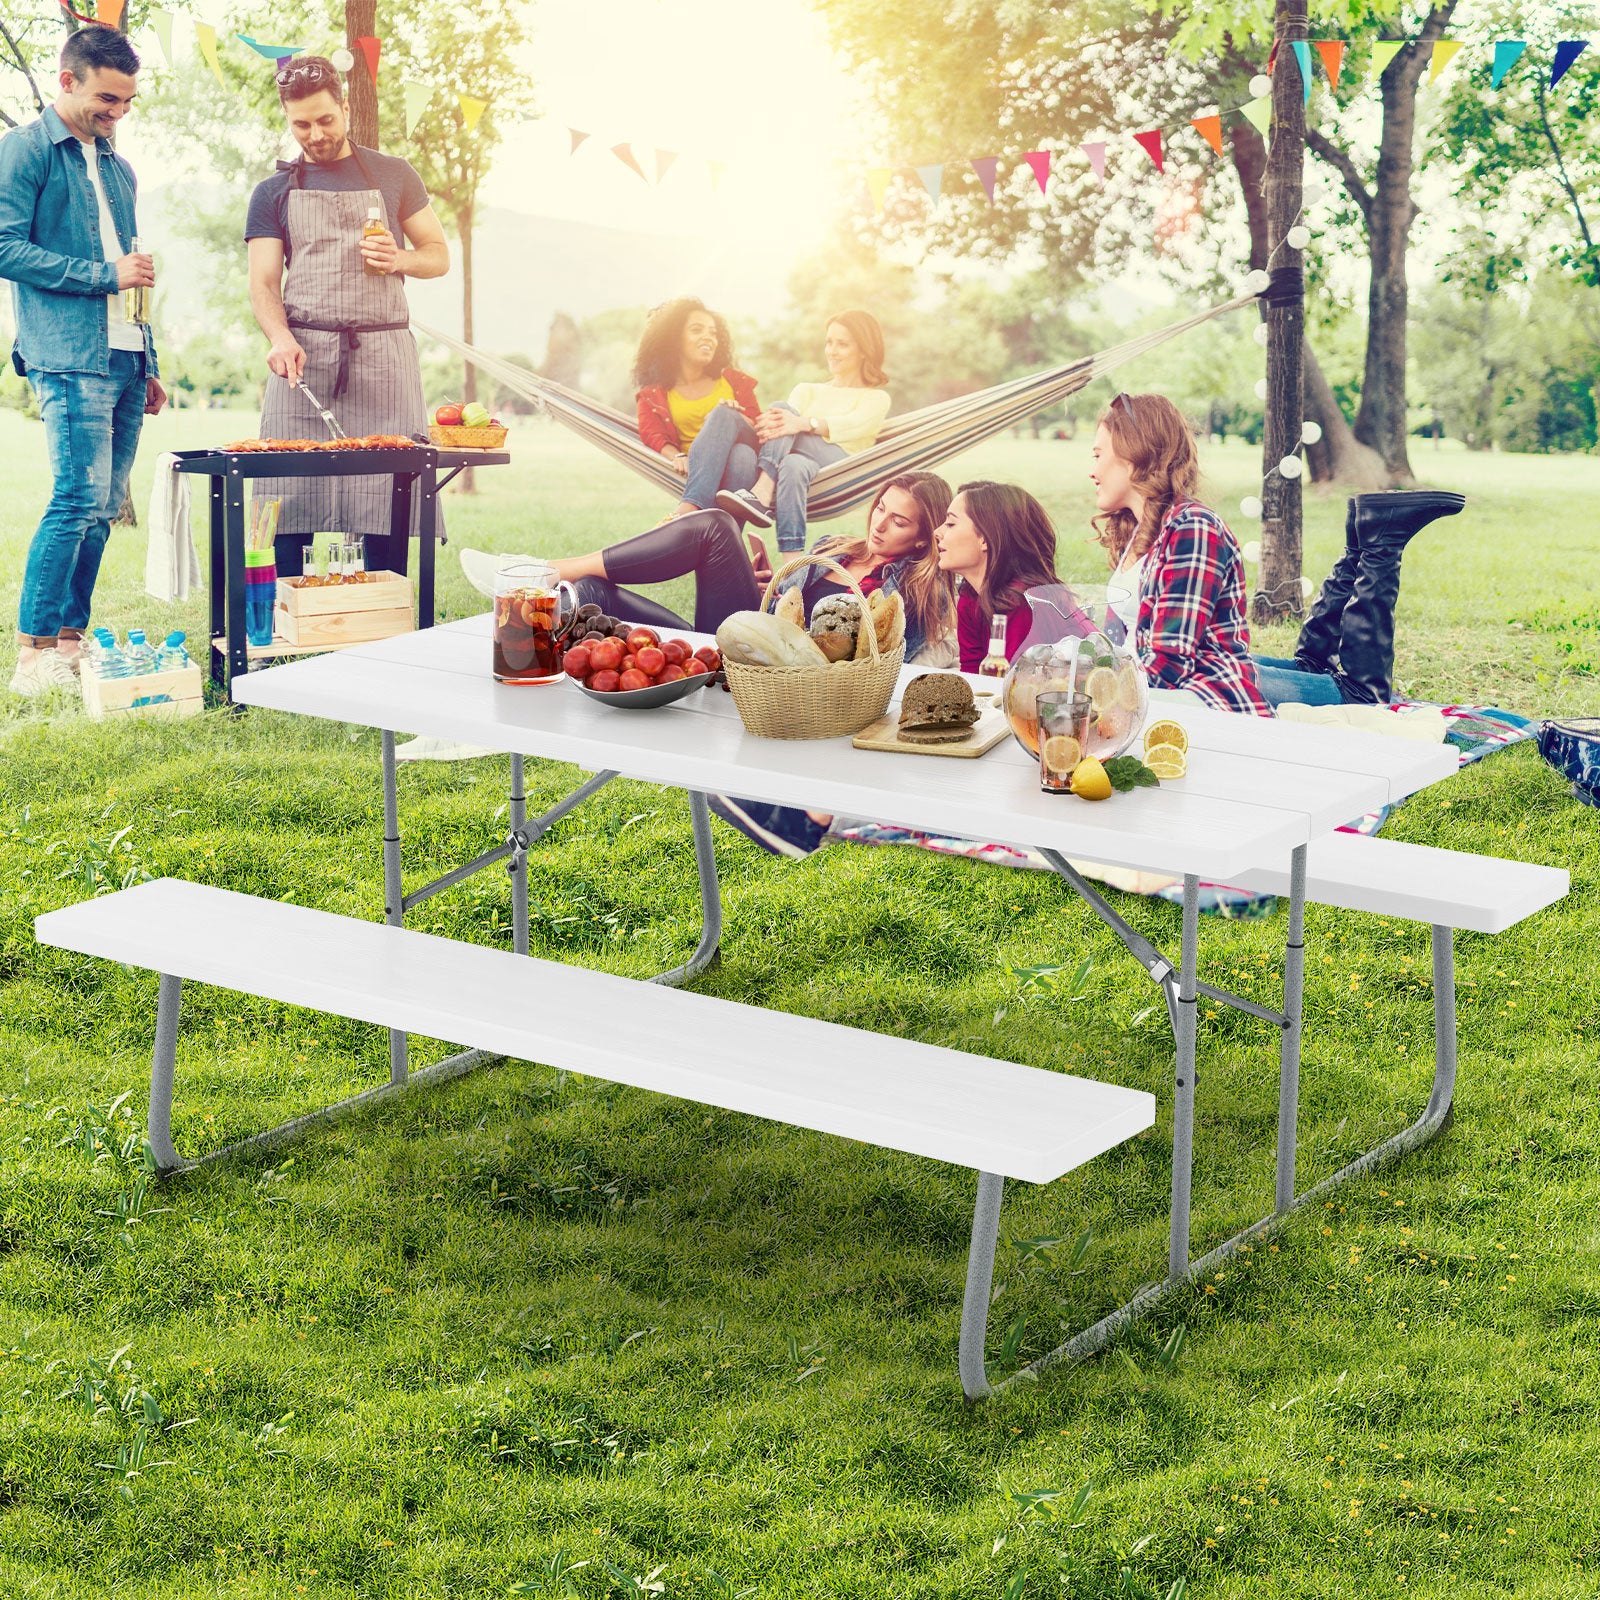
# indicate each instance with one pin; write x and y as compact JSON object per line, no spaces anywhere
{"x":889,"y":578}
{"x":50,"y":246}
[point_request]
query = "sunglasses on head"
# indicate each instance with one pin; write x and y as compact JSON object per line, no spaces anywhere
{"x":1124,"y":400}
{"x":307,"y":72}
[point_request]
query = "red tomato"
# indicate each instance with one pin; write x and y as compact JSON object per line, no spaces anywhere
{"x":693,"y":666}
{"x":651,"y":661}
{"x":640,"y":637}
{"x":577,"y":661}
{"x":607,"y":655}
{"x":448,"y":416}
{"x":711,"y":657}
{"x":671,"y":673}
{"x":676,"y":652}
{"x":604,"y":682}
{"x":634,"y":679}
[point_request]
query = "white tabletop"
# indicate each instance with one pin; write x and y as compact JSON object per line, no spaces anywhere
{"x":1256,"y":787}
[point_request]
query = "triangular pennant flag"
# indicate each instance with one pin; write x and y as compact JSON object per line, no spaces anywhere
{"x":273,"y":52}
{"x":1259,"y":112}
{"x":472,"y":108}
{"x":986,"y":167}
{"x":878,"y":184}
{"x":109,"y":12}
{"x":1332,"y":53}
{"x":417,"y":96}
{"x":1151,"y":142}
{"x":1209,"y":129}
{"x":1443,"y":51}
{"x":1506,"y":55}
{"x":664,"y":159}
{"x":1039,"y":161}
{"x":371,"y":49}
{"x":1302,"y":58}
{"x":1567,"y":52}
{"x":577,"y":139}
{"x":624,"y":154}
{"x":1096,"y":152}
{"x":161,"y":21}
{"x":715,"y":170}
{"x":1383,"y":52}
{"x":206,"y":37}
{"x":932,"y":180}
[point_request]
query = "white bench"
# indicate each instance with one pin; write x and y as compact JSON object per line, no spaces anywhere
{"x":1001,"y":1118}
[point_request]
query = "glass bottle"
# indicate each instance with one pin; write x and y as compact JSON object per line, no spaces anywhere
{"x":136,"y":301}
{"x":370,"y":228}
{"x":994,"y":664}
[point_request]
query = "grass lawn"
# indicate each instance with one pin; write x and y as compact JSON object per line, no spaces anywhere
{"x":459,"y":1344}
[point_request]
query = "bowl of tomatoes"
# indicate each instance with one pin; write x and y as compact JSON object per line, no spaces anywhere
{"x":633,"y":667}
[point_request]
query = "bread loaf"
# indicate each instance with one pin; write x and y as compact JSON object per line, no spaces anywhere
{"x":757,"y":639}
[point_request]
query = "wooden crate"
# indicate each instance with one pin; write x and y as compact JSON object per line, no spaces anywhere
{"x":151,"y":694}
{"x":328,"y":615}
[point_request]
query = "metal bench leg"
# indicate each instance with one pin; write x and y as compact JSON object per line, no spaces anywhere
{"x":519,"y":861}
{"x":980,"y":1281}
{"x":1294,"y":990}
{"x":162,"y":1065}
{"x":705,"y":860}
{"x":1443,"y":1094}
{"x":1183,"y":1099}
{"x":393,"y":893}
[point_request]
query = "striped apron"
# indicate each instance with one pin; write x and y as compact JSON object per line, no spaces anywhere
{"x":361,"y":362}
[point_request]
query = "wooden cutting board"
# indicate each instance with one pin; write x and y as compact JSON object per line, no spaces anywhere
{"x":990,"y":728}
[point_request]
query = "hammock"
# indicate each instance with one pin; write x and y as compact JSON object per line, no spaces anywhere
{"x":914,"y":441}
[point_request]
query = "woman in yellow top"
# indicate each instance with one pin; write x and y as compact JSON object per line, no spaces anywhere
{"x":823,"y":422}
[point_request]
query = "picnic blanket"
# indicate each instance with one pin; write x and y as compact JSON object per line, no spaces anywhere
{"x":1475,"y":731}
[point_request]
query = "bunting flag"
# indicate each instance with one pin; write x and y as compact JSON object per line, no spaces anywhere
{"x":1096,"y":153}
{"x":161,"y":21}
{"x":664,"y":159}
{"x":986,"y":167}
{"x":1567,"y":52}
{"x":1302,"y":59}
{"x":1383,"y":52}
{"x":624,"y":154}
{"x":577,"y":139}
{"x":1260,"y":113}
{"x":108,"y":12}
{"x":1506,"y":54}
{"x":715,"y":170}
{"x":932,"y":180}
{"x":1039,"y":161}
{"x":1332,"y":53}
{"x":878,"y":185}
{"x":472,"y":108}
{"x":1151,"y":142}
{"x":1443,"y":53}
{"x":371,"y":48}
{"x":206,"y":37}
{"x":417,"y":96}
{"x":1209,"y":129}
{"x":273,"y":52}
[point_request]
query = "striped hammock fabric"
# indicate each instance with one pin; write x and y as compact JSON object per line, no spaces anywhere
{"x":912,"y":442}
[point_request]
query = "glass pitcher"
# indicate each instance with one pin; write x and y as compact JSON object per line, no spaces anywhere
{"x":532,"y":613}
{"x":1077,"y":644}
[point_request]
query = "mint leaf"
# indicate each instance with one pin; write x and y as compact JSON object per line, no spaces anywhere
{"x":1129,"y":772}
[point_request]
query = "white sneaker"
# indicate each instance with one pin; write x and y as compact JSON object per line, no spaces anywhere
{"x":480,"y":567}
{"x":431,"y":749}
{"x":43,"y":673}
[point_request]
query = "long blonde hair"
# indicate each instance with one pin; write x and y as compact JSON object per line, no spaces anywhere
{"x":1149,"y":433}
{"x":867,"y":332}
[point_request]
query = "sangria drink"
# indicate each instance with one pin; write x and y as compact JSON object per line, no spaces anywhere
{"x":530,"y":623}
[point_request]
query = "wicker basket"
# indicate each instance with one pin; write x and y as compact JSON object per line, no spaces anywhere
{"x":822,"y":702}
{"x":467,"y":438}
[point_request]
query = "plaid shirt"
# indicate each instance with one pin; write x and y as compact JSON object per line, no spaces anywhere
{"x":1193,"y":631}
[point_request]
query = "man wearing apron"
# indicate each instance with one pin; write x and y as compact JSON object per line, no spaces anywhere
{"x":332,"y":304}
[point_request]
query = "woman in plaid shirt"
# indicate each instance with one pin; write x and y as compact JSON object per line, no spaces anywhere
{"x":1180,"y":565}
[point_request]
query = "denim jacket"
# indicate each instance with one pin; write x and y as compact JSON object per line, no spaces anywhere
{"x":889,"y":578}
{"x":50,"y":246}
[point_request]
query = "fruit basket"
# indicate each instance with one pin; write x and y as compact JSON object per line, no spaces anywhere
{"x":461,"y":438}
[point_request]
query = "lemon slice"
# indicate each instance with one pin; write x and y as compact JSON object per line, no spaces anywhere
{"x":1101,"y":687}
{"x":1062,"y":752}
{"x":1165,"y":733}
{"x":1090,"y":781}
{"x":1166,"y":761}
{"x":1128,"y":687}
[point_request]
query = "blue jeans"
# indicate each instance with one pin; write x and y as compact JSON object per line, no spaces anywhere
{"x":91,"y":434}
{"x":792,"y":462}
{"x":722,"y":456}
{"x":1282,"y":682}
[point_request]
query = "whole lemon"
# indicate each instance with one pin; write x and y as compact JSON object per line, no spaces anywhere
{"x":1089,"y":780}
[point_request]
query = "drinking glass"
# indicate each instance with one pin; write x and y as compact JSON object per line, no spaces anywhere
{"x":1063,"y":737}
{"x":532,"y":611}
{"x":260,"y":594}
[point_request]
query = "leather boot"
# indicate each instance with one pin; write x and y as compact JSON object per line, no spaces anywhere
{"x":1318,"y":643}
{"x":1385,"y":524}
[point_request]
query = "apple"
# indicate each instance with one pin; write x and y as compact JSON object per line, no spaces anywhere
{"x":676,"y":652}
{"x":651,"y":661}
{"x":607,"y":655}
{"x":448,"y":416}
{"x":577,"y":661}
{"x":604,"y":682}
{"x":711,"y":657}
{"x":634,"y":679}
{"x":671,"y":673}
{"x":640,"y":637}
{"x":693,"y":666}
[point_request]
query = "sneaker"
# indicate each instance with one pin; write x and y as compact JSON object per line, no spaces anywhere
{"x":480,"y":567}
{"x":784,"y":830}
{"x":744,"y":504}
{"x":44,"y":673}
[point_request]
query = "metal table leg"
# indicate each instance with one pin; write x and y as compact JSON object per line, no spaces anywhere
{"x":163,"y":1064}
{"x":427,"y":553}
{"x":393,"y":893}
{"x":1183,"y":1100}
{"x":219,"y":583}
{"x":518,"y":867}
{"x":980,"y":1280}
{"x":1294,"y":990}
{"x":233,"y":544}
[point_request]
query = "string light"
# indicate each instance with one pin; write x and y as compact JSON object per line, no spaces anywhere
{"x":1290,"y":467}
{"x":1256,"y":281}
{"x":1261,"y":388}
{"x":342,"y":60}
{"x":1298,"y":237}
{"x":1261,"y":335}
{"x":1251,"y":507}
{"x":1310,"y":433}
{"x":1260,"y":84}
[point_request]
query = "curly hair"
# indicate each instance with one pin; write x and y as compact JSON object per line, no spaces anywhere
{"x":659,"y":358}
{"x":1149,"y":433}
{"x":1021,"y":540}
{"x":867,"y":332}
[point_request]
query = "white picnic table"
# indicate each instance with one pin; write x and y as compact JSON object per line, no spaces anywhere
{"x":1258,"y":792}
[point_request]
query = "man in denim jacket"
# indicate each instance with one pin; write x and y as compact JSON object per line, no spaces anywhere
{"x":66,"y":239}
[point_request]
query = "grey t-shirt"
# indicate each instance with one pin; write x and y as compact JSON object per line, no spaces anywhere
{"x":396,"y":179}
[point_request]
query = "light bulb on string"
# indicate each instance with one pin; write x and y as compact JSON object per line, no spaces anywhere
{"x":1305,"y":587}
{"x":1256,"y":281}
{"x":1310,"y":432}
{"x":342,"y":60}
{"x":1252,"y":551}
{"x":1250,"y":506}
{"x":1260,"y":84}
{"x":1260,"y":335}
{"x":1313,"y":194}
{"x":1298,"y":237}
{"x":1290,"y":467}
{"x":1261,"y":388}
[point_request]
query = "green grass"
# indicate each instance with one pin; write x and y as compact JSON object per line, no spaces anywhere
{"x":425,"y":1351}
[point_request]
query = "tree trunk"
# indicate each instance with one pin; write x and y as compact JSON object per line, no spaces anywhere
{"x":1381,"y":419}
{"x":1338,"y":456}
{"x":467,"y":482}
{"x":361,"y":22}
{"x":1277,"y":594}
